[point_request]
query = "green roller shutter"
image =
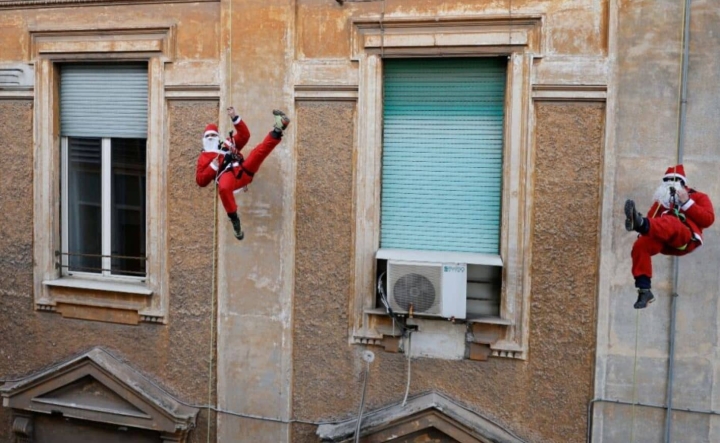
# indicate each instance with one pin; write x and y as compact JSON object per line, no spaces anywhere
{"x":442,"y":154}
{"x":104,"y":100}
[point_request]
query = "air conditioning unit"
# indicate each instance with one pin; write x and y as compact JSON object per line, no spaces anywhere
{"x":426,"y":288}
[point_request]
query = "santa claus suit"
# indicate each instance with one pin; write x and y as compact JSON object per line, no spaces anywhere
{"x":212,"y":156}
{"x":667,"y":233}
{"x":241,"y":174}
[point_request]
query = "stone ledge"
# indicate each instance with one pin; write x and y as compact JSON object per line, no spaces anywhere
{"x":28,"y":4}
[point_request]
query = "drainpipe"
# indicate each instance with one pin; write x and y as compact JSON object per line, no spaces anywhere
{"x":676,"y":261}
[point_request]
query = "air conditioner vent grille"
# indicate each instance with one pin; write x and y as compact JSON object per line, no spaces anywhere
{"x":415,"y":284}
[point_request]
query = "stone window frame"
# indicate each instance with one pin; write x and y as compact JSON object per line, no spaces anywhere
{"x":83,"y":297}
{"x":518,"y":37}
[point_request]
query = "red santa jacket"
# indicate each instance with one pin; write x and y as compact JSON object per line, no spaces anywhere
{"x":207,"y":168}
{"x":698,"y":210}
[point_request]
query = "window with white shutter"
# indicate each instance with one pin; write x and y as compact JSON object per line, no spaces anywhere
{"x":103,"y":124}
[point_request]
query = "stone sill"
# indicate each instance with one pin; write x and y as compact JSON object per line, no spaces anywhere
{"x":476,"y":319}
{"x":127,"y":287}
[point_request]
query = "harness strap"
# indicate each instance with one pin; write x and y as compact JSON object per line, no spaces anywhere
{"x":243,"y":170}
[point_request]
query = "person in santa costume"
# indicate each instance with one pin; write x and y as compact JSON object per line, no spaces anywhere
{"x":674,"y":226}
{"x":214,"y":151}
{"x":224,"y":163}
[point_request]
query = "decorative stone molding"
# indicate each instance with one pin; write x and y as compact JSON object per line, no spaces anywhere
{"x":29,"y":4}
{"x":98,"y":387}
{"x":16,"y":81}
{"x":423,"y":412}
{"x":518,"y":37}
{"x":192,"y":92}
{"x":326,"y":93}
{"x":22,"y":427}
{"x":574,"y":93}
{"x":16,"y":75}
{"x":103,"y":44}
{"x":482,"y":35}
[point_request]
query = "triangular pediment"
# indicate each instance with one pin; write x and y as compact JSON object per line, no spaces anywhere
{"x":90,"y":394}
{"x":96,"y":386}
{"x":426,"y":417}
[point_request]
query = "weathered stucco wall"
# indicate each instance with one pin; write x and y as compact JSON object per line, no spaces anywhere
{"x":255,"y":275}
{"x":197,"y":25}
{"x":577,"y":27}
{"x":15,"y":242}
{"x":542,"y":399}
{"x":176,"y":355}
{"x":269,"y":363}
{"x":647,"y":78}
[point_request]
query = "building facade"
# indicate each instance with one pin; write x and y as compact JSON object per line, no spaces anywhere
{"x":465,"y":162}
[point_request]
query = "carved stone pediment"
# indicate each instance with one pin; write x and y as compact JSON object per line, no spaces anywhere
{"x":98,"y":387}
{"x":429,"y":417}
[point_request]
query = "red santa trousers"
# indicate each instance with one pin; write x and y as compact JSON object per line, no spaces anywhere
{"x":666,"y":235}
{"x":229,"y":182}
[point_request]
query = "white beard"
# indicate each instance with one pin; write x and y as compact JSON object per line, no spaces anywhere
{"x":662,"y":193}
{"x":210,"y":144}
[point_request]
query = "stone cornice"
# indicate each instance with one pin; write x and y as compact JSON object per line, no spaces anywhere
{"x":29,"y":4}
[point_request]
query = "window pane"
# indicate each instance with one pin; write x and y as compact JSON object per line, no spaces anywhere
{"x":84,"y":204}
{"x":128,"y":206}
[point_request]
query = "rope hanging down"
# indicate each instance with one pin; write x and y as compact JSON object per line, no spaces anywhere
{"x":212,"y":405}
{"x":634,"y":379}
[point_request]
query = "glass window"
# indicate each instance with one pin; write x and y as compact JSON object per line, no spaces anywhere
{"x":104,"y":209}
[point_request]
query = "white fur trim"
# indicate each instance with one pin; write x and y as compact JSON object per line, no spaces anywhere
{"x":213,"y":165}
{"x":673,"y":175}
{"x":236,"y":120}
{"x":687,"y":204}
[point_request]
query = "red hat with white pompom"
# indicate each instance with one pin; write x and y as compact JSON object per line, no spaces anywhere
{"x":675,"y":172}
{"x":211,"y":129}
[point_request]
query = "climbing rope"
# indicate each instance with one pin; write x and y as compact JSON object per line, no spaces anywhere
{"x":212,"y":306}
{"x":213,"y":294}
{"x":637,"y":329}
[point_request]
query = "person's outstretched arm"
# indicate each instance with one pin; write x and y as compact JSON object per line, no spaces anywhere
{"x":242,"y":133}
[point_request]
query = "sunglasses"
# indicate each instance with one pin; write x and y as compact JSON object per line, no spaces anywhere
{"x":210,"y":135}
{"x":674,"y":179}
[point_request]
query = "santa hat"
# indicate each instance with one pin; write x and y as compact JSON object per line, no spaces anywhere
{"x":211,"y":129}
{"x":675,"y":172}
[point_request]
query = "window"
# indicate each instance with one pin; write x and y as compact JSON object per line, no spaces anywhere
{"x":100,"y":118}
{"x":104,"y":206}
{"x":103,"y":113}
{"x":494,"y":243}
{"x":441,"y":183}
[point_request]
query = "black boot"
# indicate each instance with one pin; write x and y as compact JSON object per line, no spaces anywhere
{"x":235,"y":220}
{"x":634,"y":220}
{"x":281,"y":123}
{"x":645,"y":297}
